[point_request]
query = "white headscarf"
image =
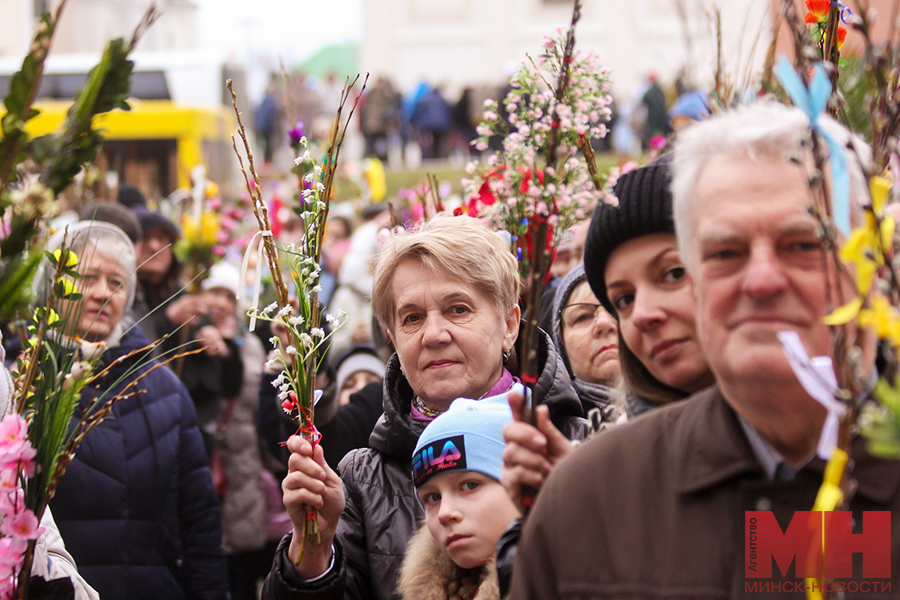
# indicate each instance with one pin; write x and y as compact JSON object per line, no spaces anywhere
{"x":6,"y":382}
{"x":105,"y":238}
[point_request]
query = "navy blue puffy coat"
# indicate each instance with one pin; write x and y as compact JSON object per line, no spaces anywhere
{"x":136,"y":507}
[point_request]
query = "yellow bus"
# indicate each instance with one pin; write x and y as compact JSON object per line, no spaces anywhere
{"x":180,"y":117}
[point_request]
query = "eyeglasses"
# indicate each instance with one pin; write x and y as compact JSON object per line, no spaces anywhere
{"x":581,"y":314}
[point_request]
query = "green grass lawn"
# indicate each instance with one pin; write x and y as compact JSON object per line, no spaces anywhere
{"x":444,"y":171}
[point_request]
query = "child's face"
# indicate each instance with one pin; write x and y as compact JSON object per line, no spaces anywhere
{"x":466,"y":513}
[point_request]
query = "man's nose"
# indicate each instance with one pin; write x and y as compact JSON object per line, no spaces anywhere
{"x":764,"y":274}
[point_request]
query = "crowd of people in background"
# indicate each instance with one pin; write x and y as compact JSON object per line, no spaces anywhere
{"x":434,"y":123}
{"x":663,"y":405}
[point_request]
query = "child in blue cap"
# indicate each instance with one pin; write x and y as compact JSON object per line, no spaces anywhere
{"x":456,"y":471}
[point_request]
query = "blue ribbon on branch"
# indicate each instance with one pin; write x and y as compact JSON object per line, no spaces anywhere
{"x":813,"y":101}
{"x":846,"y":13}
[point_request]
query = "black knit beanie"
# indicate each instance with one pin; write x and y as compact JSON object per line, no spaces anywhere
{"x":645,"y":207}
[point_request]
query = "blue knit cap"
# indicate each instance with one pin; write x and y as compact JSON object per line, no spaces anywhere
{"x":468,"y":437}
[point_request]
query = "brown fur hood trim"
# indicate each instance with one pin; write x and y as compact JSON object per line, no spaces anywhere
{"x":429,"y":574}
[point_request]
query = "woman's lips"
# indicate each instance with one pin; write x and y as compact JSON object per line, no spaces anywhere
{"x":95,"y":315}
{"x":605,"y":353}
{"x":664,"y":350}
{"x":440,"y":364}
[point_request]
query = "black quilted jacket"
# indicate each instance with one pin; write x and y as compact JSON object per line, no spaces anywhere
{"x":382,"y":511}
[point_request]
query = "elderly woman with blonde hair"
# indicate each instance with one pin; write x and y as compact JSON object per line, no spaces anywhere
{"x":447,"y":295}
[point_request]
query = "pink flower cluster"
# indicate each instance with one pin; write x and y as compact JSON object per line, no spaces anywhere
{"x":516,"y":184}
{"x":231,"y":224}
{"x":20,"y":524}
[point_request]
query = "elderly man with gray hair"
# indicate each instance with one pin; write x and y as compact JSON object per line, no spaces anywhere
{"x":660,"y":507}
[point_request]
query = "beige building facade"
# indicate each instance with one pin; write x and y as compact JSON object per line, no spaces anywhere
{"x":87,"y":25}
{"x":472,"y":42}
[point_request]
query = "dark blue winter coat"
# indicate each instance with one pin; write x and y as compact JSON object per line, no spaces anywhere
{"x":136,"y":507}
{"x":432,"y":112}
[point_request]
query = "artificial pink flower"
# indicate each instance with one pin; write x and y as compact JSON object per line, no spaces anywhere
{"x":24,"y":525}
{"x":14,"y":445}
{"x":11,"y":550}
{"x":9,"y":481}
{"x":23,"y":460}
{"x":13,"y":429}
{"x":8,"y":587}
{"x":12,"y":502}
{"x":658,"y":142}
{"x":8,"y":580}
{"x":417,"y":213}
{"x":628,"y":167}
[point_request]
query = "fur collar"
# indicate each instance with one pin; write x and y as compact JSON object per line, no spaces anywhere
{"x":429,"y":574}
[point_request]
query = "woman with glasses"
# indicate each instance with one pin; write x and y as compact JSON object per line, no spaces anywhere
{"x":587,"y":338}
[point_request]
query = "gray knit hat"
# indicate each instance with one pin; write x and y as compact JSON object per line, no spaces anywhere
{"x":645,"y":207}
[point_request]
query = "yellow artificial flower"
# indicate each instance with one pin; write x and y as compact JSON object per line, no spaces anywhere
{"x":845,"y":313}
{"x":209,"y":228}
{"x":212,"y":190}
{"x":375,"y":177}
{"x":866,"y":244}
{"x":71,"y":258}
{"x":39,"y":312}
{"x":883,"y":319}
{"x":202,"y":234}
{"x":879,"y":187}
{"x":68,"y":287}
{"x":189,"y":229}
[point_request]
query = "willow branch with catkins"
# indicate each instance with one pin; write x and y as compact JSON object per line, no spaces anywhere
{"x":306,"y":339}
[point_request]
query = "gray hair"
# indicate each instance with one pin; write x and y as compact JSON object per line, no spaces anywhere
{"x":103,"y":238}
{"x":761,"y":129}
